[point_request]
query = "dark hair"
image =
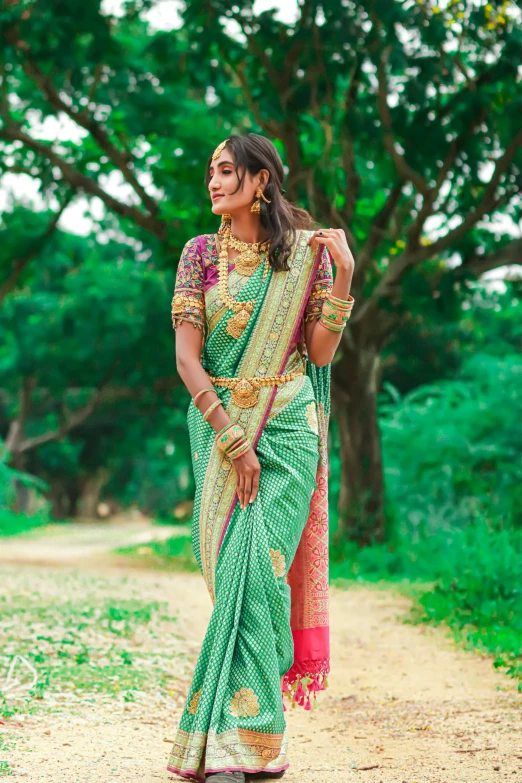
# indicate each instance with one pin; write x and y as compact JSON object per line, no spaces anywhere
{"x":281,"y":218}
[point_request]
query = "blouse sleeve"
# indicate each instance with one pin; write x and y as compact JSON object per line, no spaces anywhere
{"x":323,"y":283}
{"x":188,"y":302}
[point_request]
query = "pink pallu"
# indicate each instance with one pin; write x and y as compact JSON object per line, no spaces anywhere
{"x":308,"y":574}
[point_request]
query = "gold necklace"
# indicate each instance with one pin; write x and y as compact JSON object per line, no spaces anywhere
{"x":249,"y":257}
{"x":242,"y":310}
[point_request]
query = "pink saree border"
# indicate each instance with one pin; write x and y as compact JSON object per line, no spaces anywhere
{"x":192,"y":774}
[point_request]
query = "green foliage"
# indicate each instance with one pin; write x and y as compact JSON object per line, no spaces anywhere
{"x":86,"y":336}
{"x":8,"y":477}
{"x":12,"y":523}
{"x":174,"y":553}
{"x":454,"y":502}
{"x":465,"y":578}
{"x":451,"y":448}
{"x":438,"y":333}
{"x":479,"y":593}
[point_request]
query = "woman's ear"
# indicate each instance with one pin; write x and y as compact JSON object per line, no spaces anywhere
{"x":264,"y":176}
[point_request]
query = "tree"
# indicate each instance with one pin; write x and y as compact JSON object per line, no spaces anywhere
{"x":399,"y":122}
{"x":87,"y":381}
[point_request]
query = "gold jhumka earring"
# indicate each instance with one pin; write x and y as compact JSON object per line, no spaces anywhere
{"x":256,"y":205}
{"x":226,"y":222}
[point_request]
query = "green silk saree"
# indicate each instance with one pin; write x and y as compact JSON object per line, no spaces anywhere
{"x":265,"y":566}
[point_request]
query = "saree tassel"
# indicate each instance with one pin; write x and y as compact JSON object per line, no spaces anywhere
{"x":305,"y":682}
{"x":315,"y":685}
{"x":299,"y":695}
{"x":308,"y":705}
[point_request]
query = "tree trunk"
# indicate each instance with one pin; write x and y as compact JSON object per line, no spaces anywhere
{"x":91,"y":492}
{"x":22,"y":493}
{"x":361,"y":497}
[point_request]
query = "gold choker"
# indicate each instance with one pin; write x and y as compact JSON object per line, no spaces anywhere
{"x":249,"y":257}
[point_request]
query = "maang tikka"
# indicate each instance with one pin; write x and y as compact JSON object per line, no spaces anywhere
{"x":225,"y":218}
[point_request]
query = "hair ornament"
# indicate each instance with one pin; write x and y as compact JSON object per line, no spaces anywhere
{"x":219,"y":149}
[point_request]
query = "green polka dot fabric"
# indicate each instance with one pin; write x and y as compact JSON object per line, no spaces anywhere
{"x":233,"y":717}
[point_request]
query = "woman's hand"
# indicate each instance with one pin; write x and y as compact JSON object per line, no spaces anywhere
{"x":335,"y":241}
{"x":247,"y":471}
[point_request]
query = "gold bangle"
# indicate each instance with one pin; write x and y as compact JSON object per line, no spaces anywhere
{"x":235,"y":453}
{"x":346,"y":304}
{"x":206,"y":389}
{"x":232,"y":434}
{"x":211,"y":408}
{"x":333,"y":326}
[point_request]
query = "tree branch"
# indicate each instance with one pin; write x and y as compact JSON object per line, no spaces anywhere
{"x":20,"y":264}
{"x":376,"y":234}
{"x":405,"y":172}
{"x":120,"y":159}
{"x":353,"y":181}
{"x":507,"y":255}
{"x":79,"y":181}
{"x":488,"y":203}
{"x":457,"y":144}
{"x":71,"y":419}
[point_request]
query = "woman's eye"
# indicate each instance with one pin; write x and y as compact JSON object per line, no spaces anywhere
{"x":227,"y":171}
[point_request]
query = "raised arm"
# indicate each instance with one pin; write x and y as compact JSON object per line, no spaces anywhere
{"x":321,"y":343}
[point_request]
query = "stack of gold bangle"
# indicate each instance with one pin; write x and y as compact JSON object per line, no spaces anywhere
{"x":336,"y":312}
{"x":233,"y":441}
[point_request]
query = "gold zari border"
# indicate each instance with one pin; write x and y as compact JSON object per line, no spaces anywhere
{"x":238,"y":747}
{"x":263,"y":357}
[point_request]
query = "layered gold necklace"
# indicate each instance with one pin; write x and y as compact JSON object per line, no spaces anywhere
{"x":242,"y":310}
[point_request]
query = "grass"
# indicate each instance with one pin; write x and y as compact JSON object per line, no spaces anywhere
{"x":12,"y":524}
{"x":467,"y":579}
{"x":174,"y":553}
{"x":88,"y":639}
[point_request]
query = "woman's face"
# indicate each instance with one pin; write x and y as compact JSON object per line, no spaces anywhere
{"x":224,"y":181}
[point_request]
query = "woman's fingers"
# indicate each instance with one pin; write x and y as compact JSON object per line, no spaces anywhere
{"x":241,"y":489}
{"x":255,"y":487}
{"x":321,"y":237}
{"x":248,"y":490}
{"x":247,"y":469}
{"x":247,"y":487}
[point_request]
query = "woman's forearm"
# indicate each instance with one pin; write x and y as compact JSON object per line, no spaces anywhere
{"x":195,"y":378}
{"x":189,"y":346}
{"x":322,"y":343}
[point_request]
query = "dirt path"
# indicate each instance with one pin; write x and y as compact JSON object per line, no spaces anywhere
{"x":404,"y":704}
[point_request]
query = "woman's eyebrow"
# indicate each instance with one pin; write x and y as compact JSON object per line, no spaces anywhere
{"x":222,"y":163}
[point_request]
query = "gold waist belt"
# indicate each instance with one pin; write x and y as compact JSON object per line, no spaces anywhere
{"x":245,"y":391}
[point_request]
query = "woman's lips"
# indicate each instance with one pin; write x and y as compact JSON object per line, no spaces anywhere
{"x":216,"y":196}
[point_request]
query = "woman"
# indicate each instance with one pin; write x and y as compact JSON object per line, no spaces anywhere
{"x":258,"y":318}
